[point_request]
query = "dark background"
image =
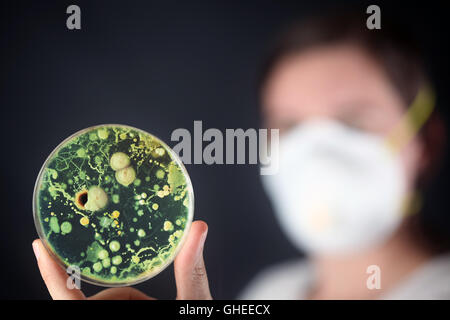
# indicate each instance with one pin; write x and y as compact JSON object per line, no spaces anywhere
{"x":160,"y":65}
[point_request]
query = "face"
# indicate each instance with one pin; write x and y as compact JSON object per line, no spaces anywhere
{"x":340,"y":82}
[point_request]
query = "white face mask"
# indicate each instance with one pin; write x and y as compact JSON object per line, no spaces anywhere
{"x":338,"y":190}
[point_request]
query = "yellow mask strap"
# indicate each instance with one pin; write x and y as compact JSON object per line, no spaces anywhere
{"x":415,"y":117}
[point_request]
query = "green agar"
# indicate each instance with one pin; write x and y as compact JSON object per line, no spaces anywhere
{"x":114,"y":201}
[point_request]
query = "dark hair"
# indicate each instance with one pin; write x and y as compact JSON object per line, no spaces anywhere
{"x":391,"y":47}
{"x":396,"y":52}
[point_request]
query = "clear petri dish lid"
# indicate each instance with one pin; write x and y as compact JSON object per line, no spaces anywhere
{"x":115,"y":203}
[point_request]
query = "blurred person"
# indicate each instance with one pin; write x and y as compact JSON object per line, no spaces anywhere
{"x":358,"y":141}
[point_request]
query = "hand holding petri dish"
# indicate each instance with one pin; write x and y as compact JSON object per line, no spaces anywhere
{"x":114,"y":201}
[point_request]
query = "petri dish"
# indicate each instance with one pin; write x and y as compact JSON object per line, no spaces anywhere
{"x":115,"y":203}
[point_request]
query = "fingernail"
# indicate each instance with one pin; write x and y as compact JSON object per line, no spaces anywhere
{"x":36,"y":250}
{"x":201,"y":244}
{"x":203,"y":238}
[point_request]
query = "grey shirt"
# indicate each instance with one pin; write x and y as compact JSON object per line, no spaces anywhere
{"x":293,"y":280}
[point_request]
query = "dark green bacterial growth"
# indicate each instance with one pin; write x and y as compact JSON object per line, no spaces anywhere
{"x":115,"y":202}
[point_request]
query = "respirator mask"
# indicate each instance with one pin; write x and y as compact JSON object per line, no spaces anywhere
{"x":337,"y":189}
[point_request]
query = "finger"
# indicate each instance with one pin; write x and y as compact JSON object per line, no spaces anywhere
{"x":55,"y":277}
{"x":190,"y":272}
{"x":126,"y":293}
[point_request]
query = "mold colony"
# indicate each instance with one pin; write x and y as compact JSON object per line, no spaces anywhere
{"x":114,"y":201}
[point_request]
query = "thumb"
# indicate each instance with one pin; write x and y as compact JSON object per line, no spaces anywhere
{"x":55,"y":277}
{"x":190,"y":272}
